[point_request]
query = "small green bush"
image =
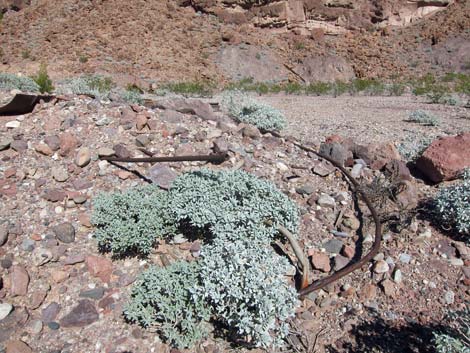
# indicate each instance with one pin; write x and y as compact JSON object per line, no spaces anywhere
{"x":25,"y":84}
{"x":318,"y":88}
{"x":245,"y":285}
{"x":43,"y":81}
{"x":132,"y":96}
{"x":423,"y":118}
{"x":132,"y":221}
{"x":161,"y":299}
{"x":247,"y":110}
{"x":453,"y":205}
{"x":191,"y":88}
{"x":459,"y":342}
{"x":232,"y":204}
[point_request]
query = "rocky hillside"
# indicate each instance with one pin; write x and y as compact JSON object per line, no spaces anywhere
{"x":228,"y":40}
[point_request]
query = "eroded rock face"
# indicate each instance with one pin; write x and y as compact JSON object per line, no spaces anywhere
{"x":14,"y":5}
{"x":327,"y":68}
{"x":332,"y":16}
{"x":445,"y":158}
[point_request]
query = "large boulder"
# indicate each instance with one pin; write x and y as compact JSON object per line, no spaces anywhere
{"x":445,"y":158}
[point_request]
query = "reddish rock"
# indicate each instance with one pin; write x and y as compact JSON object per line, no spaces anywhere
{"x":398,"y":170}
{"x":348,"y":251}
{"x":321,"y":261}
{"x":407,"y":196}
{"x":54,"y":195}
{"x":67,"y":143}
{"x":445,"y":158}
{"x":389,"y":288}
{"x":82,"y":315}
{"x":140,"y":121}
{"x":368,"y":292}
{"x":19,"y":279}
{"x":377,"y":155}
{"x":99,"y":267}
{"x":43,"y":149}
{"x":17,"y":347}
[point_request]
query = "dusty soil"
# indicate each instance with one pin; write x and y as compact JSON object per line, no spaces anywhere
{"x":365,"y":308}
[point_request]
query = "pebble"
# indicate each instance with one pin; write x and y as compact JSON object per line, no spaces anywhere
{"x":5,"y":143}
{"x":449,"y":297}
{"x":28,"y":245}
{"x":305,"y":189}
{"x":3,"y":234}
{"x":14,"y":124}
{"x":321,"y":261}
{"x":404,"y":258}
{"x":5,"y":310}
{"x":356,"y":171}
{"x":96,"y":293}
{"x":381,"y":267}
{"x":36,"y":327}
{"x":162,"y":175}
{"x":50,"y":313}
{"x":333,"y":246}
{"x":81,"y":315}
{"x":282,"y":167}
{"x":53,"y":325}
{"x":19,"y":279}
{"x":105,"y":152}
{"x":17,"y":347}
{"x":397,"y":276}
{"x":326,"y":201}
{"x":456,"y":262}
{"x":65,"y":232}
{"x":83,"y":157}
{"x":60,"y":174}
{"x":142,"y":141}
{"x":340,"y":262}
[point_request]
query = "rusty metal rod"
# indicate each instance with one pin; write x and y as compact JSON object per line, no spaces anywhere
{"x":214,"y":158}
{"x":378,"y":228}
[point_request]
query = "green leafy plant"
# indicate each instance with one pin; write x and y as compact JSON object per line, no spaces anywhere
{"x":459,"y":342}
{"x":161,"y":299}
{"x":247,"y":110}
{"x":132,"y":221}
{"x":245,"y":285}
{"x":423,"y":118}
{"x":190,"y":88}
{"x":22,"y":83}
{"x":232,"y":205}
{"x":42,"y":80}
{"x":453,"y":205}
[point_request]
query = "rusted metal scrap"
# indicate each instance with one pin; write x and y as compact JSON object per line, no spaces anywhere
{"x":213,"y":158}
{"x":23,"y":104}
{"x":378,"y":228}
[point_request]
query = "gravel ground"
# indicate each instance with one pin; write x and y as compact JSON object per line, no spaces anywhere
{"x":365,"y":119}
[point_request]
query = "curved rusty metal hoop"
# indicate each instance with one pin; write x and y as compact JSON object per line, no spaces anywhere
{"x":378,"y":228}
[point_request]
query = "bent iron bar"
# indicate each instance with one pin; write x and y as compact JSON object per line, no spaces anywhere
{"x":213,"y":158}
{"x":378,"y":228}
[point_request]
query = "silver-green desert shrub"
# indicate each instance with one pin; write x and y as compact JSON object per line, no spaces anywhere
{"x":244,"y":283}
{"x":22,"y":83}
{"x":131,"y":221}
{"x":413,"y":147}
{"x":232,"y":204}
{"x":247,"y":110}
{"x":132,"y":96}
{"x":161,"y":300}
{"x":94,"y":85}
{"x":423,"y":118}
{"x":460,"y":341}
{"x":453,"y":205}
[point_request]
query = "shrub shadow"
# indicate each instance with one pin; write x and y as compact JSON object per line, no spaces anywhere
{"x":386,"y":337}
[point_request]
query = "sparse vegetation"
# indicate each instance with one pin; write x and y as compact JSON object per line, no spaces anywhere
{"x":94,"y":85}
{"x":453,"y":205}
{"x":413,"y":147}
{"x":22,"y":83}
{"x":247,"y":110}
{"x":83,"y":59}
{"x":423,"y":118}
{"x":459,"y":341}
{"x":42,"y":80}
{"x":190,"y":88}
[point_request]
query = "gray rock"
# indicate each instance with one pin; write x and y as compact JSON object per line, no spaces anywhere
{"x":335,"y":151}
{"x":3,"y":233}
{"x":95,"y":293}
{"x":121,"y":151}
{"x":340,"y":262}
{"x":53,"y":325}
{"x":28,"y":245}
{"x":105,"y":152}
{"x":60,"y":174}
{"x":333,"y":246}
{"x":305,"y":189}
{"x":356,"y":170}
{"x":5,"y":143}
{"x":323,"y":169}
{"x":326,"y":201}
{"x":49,"y":313}
{"x":162,"y":176}
{"x":404,"y":258}
{"x":19,"y":145}
{"x":82,"y":315}
{"x":5,"y":310}
{"x":64,"y":232}
{"x":142,"y":140}
{"x":449,"y":297}
{"x":53,"y":142}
